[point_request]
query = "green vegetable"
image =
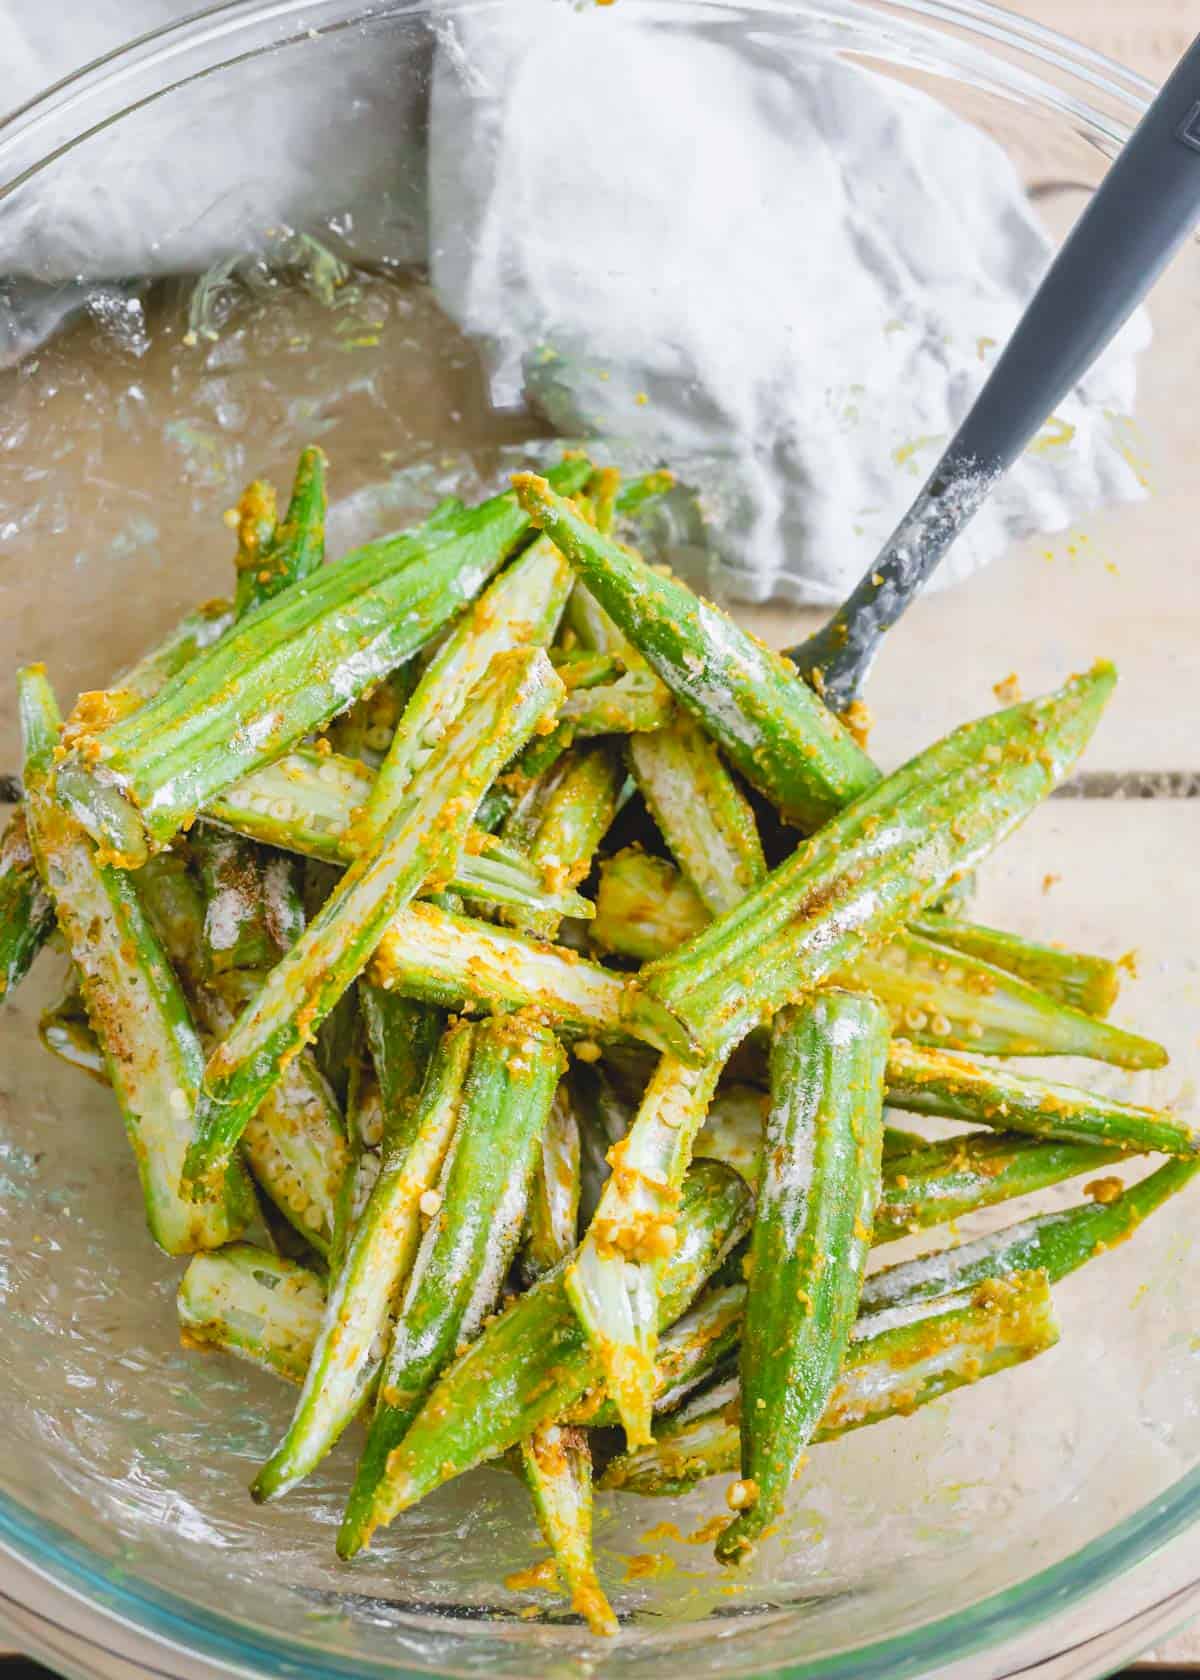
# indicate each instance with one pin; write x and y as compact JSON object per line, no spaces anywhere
{"x":866,"y":872}
{"x":421,"y":842}
{"x":955,"y":1088}
{"x":751,"y":701}
{"x":1071,"y":977}
{"x":403,"y":1036}
{"x":305,"y":802}
{"x":26,"y":912}
{"x":704,"y":816}
{"x":286,"y":670}
{"x":955,"y":1001}
{"x":134,"y":1002}
{"x":553,"y":1216}
{"x":470,"y":1243}
{"x":67,"y":1033}
{"x":557,"y":1464}
{"x":348,"y":1348}
{"x":817,"y":1192}
{"x":259,"y":1306}
{"x":533,"y":1362}
{"x":886,"y":1374}
{"x":571,"y":822}
{"x":270,"y":556}
{"x":1056,"y":1243}
{"x":614,"y":1281}
{"x":453,"y":960}
{"x":520,"y":608}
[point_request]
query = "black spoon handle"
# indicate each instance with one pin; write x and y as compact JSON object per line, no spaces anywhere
{"x":1145,"y":207}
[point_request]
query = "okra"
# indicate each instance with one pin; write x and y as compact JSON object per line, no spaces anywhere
{"x":817,"y":1193}
{"x":557,"y":1463}
{"x":886,"y":1374}
{"x":690,"y":1352}
{"x":1057,"y":1243}
{"x":703,"y":815}
{"x":272,"y":556}
{"x":287,"y":669}
{"x":924,"y":1183}
{"x":67,"y":1033}
{"x":645,"y":907}
{"x":349,"y":1346}
{"x":951,"y":1000}
{"x":461,"y":963}
{"x":635,"y":704}
{"x":571,"y":824}
{"x":134,"y":1002}
{"x":775,"y":731}
{"x":235,"y":933}
{"x":402,"y":1036}
{"x":421,"y":842}
{"x":955,"y":1088}
{"x":580,"y":668}
{"x":259,"y":1306}
{"x":1071,"y":977}
{"x":520,"y":608}
{"x":534,"y":1362}
{"x":305,"y":802}
{"x":866,"y":872}
{"x":613,"y":1281}
{"x":26,"y":912}
{"x":604,"y":1119}
{"x":957,"y":1176}
{"x":470,"y":1243}
{"x":553,"y":1216}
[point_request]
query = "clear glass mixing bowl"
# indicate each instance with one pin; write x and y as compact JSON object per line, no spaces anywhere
{"x":1039,"y":1523}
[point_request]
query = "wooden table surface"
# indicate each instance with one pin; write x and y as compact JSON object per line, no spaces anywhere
{"x":1147,"y":35}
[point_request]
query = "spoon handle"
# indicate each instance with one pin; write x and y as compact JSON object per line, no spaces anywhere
{"x":1143,"y":210}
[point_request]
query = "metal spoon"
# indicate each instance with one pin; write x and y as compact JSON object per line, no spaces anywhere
{"x":1145,"y":207}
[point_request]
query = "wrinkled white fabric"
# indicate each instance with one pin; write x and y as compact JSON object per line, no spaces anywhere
{"x":787,"y":277}
{"x":792,"y":277}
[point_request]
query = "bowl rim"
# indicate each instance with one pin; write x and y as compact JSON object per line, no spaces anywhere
{"x":32,"y":136}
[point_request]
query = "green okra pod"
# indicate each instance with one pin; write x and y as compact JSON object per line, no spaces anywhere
{"x":1071,"y":977}
{"x":553,"y":1215}
{"x":348,"y":1348}
{"x":818,"y":1190}
{"x":67,"y":1033}
{"x":520,"y":608}
{"x":703,"y":815}
{"x":534,"y":1362}
{"x":635,"y":704}
{"x":556,"y":1461}
{"x":419,"y":844}
{"x":614,"y":1280}
{"x":952,"y":1000}
{"x":866,"y":872}
{"x":441,"y":957}
{"x":403,"y":1036}
{"x":956,"y":1176}
{"x":775,"y":731}
{"x":134,"y":1001}
{"x":305,"y":802}
{"x":982,"y":1094}
{"x":472,"y":1238}
{"x":270,"y":555}
{"x":888,"y":1373}
{"x":26,"y":910}
{"x":604,"y":1119}
{"x":1056,"y":1243}
{"x":294,"y":1144}
{"x":571,"y":822}
{"x":258,"y":1306}
{"x":288,"y":668}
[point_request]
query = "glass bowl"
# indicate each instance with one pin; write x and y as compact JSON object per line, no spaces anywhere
{"x":1038,"y":1524}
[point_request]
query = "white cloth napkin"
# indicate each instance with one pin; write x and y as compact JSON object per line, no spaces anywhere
{"x":787,"y":276}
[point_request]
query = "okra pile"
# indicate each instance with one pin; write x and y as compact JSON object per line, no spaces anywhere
{"x":508,"y":972}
